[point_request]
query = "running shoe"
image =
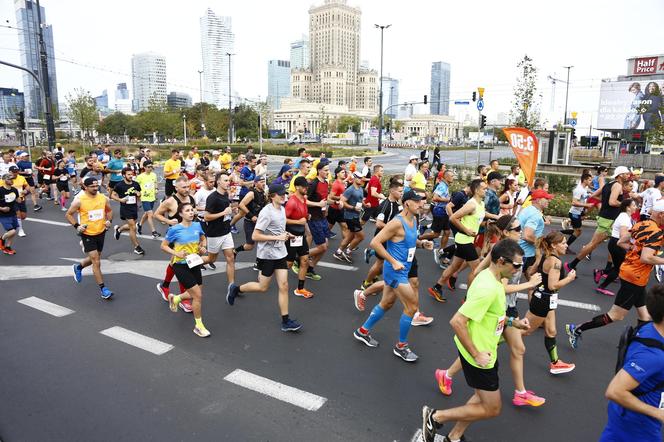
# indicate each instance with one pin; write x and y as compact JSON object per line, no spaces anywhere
{"x":21,"y":232}
{"x":139,"y":228}
{"x":106,"y":293}
{"x":360,"y":299}
{"x":201,"y":332}
{"x":436,"y":256}
{"x":212,"y":266}
{"x":171,"y":304}
{"x":156,"y":234}
{"x":404,"y":353}
{"x":444,"y":382}
{"x":8,"y":251}
{"x":63,"y":209}
{"x":332,"y":235}
{"x":451,"y":282}
{"x":232,"y":292}
{"x":561,"y":367}
{"x":354,"y":249}
{"x":185,"y":305}
{"x":37,"y":208}
{"x":527,"y":398}
{"x":365,"y":285}
{"x":78,"y":272}
{"x":429,"y":426}
{"x":339,"y":256}
{"x":2,"y":244}
{"x":438,"y":296}
{"x":311,"y":274}
{"x":421,"y":319}
{"x":290,"y":326}
{"x":116,"y":231}
{"x":303,"y":293}
{"x":368,"y":253}
{"x":295,"y":267}
{"x":139,"y":250}
{"x":659,"y":273}
{"x":589,"y":256}
{"x":255,"y":267}
{"x":597,"y":275}
{"x":572,"y":336}
{"x":164,"y":291}
{"x":234,"y":230}
{"x":605,"y":292}
{"x":366,"y":339}
{"x":567,"y":267}
{"x":348,"y":257}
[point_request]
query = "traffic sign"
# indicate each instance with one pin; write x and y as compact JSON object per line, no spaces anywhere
{"x":480,"y":105}
{"x":573,"y":122}
{"x":462,"y":102}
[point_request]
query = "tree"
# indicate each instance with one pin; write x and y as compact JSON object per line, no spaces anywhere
{"x":349,"y":123}
{"x":655,"y":135}
{"x":116,"y":124}
{"x":526,"y":102}
{"x":83,"y":111}
{"x":387,"y":121}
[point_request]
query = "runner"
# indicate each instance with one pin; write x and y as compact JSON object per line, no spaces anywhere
{"x":148,"y":182}
{"x":8,"y":203}
{"x":544,"y":301}
{"x":650,"y":195}
{"x":226,"y":159}
{"x":467,"y":220}
{"x":128,"y":193}
{"x":351,"y":201}
{"x":508,"y":196}
{"x":70,"y":162}
{"x":441,"y":221}
{"x":646,"y":240}
{"x":250,"y":207}
{"x":478,"y":325}
{"x":115,"y":166}
{"x":95,"y":216}
{"x":317,"y":202}
{"x":190,"y":164}
{"x":580,"y":196}
{"x":61,"y":177}
{"x":215,"y":162}
{"x":621,"y":229}
{"x":261,"y":166}
{"x":374,"y":195}
{"x":185,"y":241}
{"x":335,"y":212}
{"x":400,"y":239}
{"x":25,"y":170}
{"x":532,"y":227}
{"x":23,"y":188}
{"x":45,"y":167}
{"x":297,"y":215}
{"x":409,"y":173}
{"x":304,"y":167}
{"x":270,"y":234}
{"x":172,"y":169}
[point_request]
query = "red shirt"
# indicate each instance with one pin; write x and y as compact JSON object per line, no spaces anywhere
{"x":338,"y":188}
{"x":374,"y":181}
{"x":295,"y":210}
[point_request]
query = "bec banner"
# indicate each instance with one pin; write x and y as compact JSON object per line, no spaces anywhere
{"x":526,"y":149}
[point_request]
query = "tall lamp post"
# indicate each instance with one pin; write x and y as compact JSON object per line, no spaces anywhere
{"x":230,"y":109}
{"x":380,"y":99}
{"x":566,"y":94}
{"x":184,"y":127}
{"x":46,"y":83}
{"x":200,"y":91}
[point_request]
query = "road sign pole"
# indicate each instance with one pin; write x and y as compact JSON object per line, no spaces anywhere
{"x":479,"y":122}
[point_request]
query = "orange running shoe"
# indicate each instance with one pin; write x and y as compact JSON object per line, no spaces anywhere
{"x":304,"y":293}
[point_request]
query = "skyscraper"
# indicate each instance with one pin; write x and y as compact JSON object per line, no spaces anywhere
{"x":179,"y":100}
{"x":278,"y":81}
{"x":11,"y":102}
{"x":440,"y":88}
{"x":217,"y":40}
{"x":390,"y":96}
{"x":28,"y":42}
{"x":299,"y":53}
{"x":122,"y":100}
{"x":148,"y":72}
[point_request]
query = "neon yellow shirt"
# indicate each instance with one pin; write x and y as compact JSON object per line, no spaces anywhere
{"x":148,"y":183}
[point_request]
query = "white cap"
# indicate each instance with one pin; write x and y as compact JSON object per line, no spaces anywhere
{"x":413,"y":157}
{"x":620,"y":170}
{"x":658,"y":206}
{"x":130,"y":157}
{"x":215,"y":152}
{"x":357,"y":174}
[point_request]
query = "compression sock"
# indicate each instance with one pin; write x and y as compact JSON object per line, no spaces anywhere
{"x":404,"y":327}
{"x":438,"y":287}
{"x":376,"y":314}
{"x":182,"y":288}
{"x":177,"y":299}
{"x":170,"y":274}
{"x":199,"y":323}
{"x":573,"y":264}
{"x":571,"y":239}
{"x":608,"y":267}
{"x":284,"y":318}
{"x":550,"y":344}
{"x":20,"y":222}
{"x":300,"y":284}
{"x":596,"y":322}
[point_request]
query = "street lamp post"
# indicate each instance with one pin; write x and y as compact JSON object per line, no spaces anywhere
{"x":200,"y":89}
{"x":48,"y":111}
{"x":566,"y":94}
{"x":380,"y":100}
{"x":230,"y":109}
{"x":184,"y":127}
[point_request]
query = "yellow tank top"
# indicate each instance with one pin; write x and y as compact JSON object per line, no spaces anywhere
{"x":471,"y":222}
{"x":93,"y":213}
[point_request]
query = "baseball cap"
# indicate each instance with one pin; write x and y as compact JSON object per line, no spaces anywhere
{"x":413,"y":157}
{"x":539,"y":194}
{"x":259,"y":178}
{"x":494,"y":176}
{"x":21,"y":153}
{"x":89,"y":181}
{"x":411,"y":195}
{"x":215,"y":152}
{"x":357,"y":174}
{"x":620,"y":170}
{"x":658,"y":206}
{"x":659,"y":179}
{"x":279,"y":189}
{"x":13,"y":168}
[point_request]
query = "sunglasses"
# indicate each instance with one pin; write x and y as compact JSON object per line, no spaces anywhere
{"x":516,"y":265}
{"x":515,"y":229}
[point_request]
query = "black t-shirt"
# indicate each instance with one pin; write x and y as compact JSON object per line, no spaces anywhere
{"x":215,"y":203}
{"x":387,"y":210}
{"x":59,"y":173}
{"x":316,"y":192}
{"x":608,"y":211}
{"x":8,"y":198}
{"x":128,"y":190}
{"x":205,"y":161}
{"x":84,"y":171}
{"x":256,"y":204}
{"x":458,"y":199}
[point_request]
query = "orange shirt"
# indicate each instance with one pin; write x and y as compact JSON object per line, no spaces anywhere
{"x":644,"y":234}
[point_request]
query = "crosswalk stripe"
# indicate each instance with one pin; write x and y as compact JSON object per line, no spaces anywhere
{"x":566,"y":303}
{"x":137,"y":340}
{"x":268,"y":387}
{"x":46,"y":307}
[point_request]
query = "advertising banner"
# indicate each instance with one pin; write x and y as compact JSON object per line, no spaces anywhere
{"x":526,"y":149}
{"x":630,"y":104}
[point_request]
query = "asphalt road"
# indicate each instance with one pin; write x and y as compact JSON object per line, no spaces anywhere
{"x":61,"y":379}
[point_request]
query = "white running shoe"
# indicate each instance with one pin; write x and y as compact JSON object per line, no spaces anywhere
{"x":21,"y":233}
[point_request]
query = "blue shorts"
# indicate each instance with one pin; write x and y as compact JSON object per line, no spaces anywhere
{"x":320,"y":230}
{"x":9,"y":222}
{"x":394,"y":278}
{"x":147,"y":206}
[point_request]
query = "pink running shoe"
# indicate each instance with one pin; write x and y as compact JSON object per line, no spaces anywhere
{"x":604,"y":291}
{"x":527,"y":398}
{"x":444,"y":382}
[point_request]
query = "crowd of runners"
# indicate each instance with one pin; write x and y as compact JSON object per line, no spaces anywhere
{"x":493,"y":228}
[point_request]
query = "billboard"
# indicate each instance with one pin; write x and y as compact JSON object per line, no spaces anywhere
{"x":630,"y":104}
{"x":645,"y":65}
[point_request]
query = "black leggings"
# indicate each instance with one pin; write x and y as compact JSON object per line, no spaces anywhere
{"x":617,"y":256}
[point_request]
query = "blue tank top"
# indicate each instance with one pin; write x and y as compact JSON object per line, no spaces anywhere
{"x":595,"y":183}
{"x":404,"y":250}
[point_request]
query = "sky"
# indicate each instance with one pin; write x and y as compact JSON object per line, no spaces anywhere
{"x":483,"y":41}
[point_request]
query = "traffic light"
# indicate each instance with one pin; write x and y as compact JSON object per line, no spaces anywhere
{"x":573,"y":133}
{"x":474,"y":96}
{"x":425,"y":99}
{"x":20,"y":120}
{"x":482,"y":121}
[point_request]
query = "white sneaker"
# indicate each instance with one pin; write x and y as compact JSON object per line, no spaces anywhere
{"x":21,"y":233}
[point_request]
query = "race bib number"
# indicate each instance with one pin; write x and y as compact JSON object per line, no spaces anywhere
{"x":193,"y":260}
{"x":553,"y":301}
{"x":148,"y":186}
{"x":10,"y":197}
{"x":64,"y":178}
{"x":297,"y":241}
{"x":96,"y":215}
{"x":131,"y":199}
{"x":411,"y":254}
{"x":28,"y":171}
{"x":501,"y":326}
{"x":661,"y":401}
{"x":400,"y":208}
{"x":47,"y":177}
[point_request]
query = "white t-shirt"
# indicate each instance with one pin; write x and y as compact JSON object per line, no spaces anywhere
{"x":623,"y":220}
{"x":410,"y":170}
{"x":215,"y":166}
{"x":200,"y":198}
{"x":190,"y":165}
{"x":579,"y":193}
{"x":649,"y":196}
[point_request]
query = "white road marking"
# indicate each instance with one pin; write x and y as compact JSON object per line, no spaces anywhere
{"x":137,"y":340}
{"x":46,"y":221}
{"x":47,"y":307}
{"x":300,"y":398}
{"x":573,"y":304}
{"x":333,"y":265}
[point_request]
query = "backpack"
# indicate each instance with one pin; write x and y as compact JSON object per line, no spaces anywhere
{"x":628,"y":336}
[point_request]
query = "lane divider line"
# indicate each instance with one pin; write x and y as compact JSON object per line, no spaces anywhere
{"x":573,"y":304}
{"x":137,"y":340}
{"x":47,"y":307}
